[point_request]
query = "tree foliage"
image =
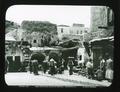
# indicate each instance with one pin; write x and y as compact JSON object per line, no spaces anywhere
{"x":39,"y":26}
{"x":43,"y":31}
{"x":9,"y":25}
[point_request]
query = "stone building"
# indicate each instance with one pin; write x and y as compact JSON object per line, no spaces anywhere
{"x":62,"y":30}
{"x":102,"y":33}
{"x":41,"y":34}
{"x":76,"y":31}
{"x":102,"y":21}
{"x":12,"y":52}
{"x":98,"y":13}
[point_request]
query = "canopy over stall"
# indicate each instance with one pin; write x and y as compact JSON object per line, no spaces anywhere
{"x":9,"y":38}
{"x":41,"y":48}
{"x":101,"y":47}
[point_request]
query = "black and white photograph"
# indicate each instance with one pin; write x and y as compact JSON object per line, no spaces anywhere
{"x":59,"y":46}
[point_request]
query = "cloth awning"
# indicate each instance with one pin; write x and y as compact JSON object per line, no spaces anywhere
{"x":99,"y":39}
{"x":41,"y":48}
{"x":9,"y":38}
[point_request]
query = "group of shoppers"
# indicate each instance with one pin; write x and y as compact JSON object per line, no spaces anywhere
{"x":104,"y":70}
{"x":49,"y":65}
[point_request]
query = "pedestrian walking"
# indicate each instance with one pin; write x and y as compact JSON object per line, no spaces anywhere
{"x":109,"y":69}
{"x":45,"y":65}
{"x":70,"y":64}
{"x":52,"y":66}
{"x":35,"y":66}
{"x":61,"y":67}
{"x":30,"y":66}
{"x":89,"y":66}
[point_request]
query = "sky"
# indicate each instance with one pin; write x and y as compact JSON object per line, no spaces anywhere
{"x":57,"y":14}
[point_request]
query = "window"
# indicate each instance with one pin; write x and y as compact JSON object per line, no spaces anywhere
{"x":61,"y":30}
{"x":81,"y":32}
{"x":77,"y":31}
{"x":80,"y":58}
{"x":34,"y":41}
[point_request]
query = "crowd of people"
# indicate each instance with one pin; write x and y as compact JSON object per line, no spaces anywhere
{"x":104,"y":70}
{"x":51,"y":66}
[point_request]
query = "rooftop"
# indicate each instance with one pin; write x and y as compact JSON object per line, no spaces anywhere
{"x":78,"y":25}
{"x":63,"y":26}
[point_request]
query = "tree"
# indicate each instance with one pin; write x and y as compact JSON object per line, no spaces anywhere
{"x":44,"y":31}
{"x":9,"y":25}
{"x":39,"y":26}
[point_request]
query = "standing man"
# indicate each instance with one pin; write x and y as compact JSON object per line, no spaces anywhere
{"x":62,"y":65}
{"x":6,"y":65}
{"x":70,"y":64}
{"x":35,"y":66}
{"x":30,"y":66}
{"x":89,"y":67}
{"x":102,"y":67}
{"x":45,"y":65}
{"x":109,"y":69}
{"x":52,"y":66}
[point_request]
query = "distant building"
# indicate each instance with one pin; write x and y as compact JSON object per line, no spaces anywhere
{"x":76,"y":31}
{"x":62,"y":30}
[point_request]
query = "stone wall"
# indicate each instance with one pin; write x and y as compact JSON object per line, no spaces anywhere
{"x":98,"y":18}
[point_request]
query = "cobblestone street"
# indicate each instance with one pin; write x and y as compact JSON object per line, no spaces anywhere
{"x":58,"y":80}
